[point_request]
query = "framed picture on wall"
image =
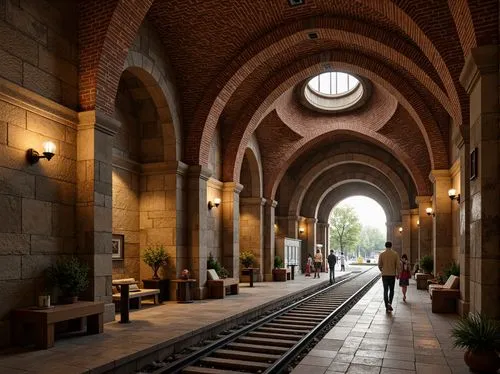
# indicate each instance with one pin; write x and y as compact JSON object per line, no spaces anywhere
{"x":473,"y":164}
{"x":118,"y":244}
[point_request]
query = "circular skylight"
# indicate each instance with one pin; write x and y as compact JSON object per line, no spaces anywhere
{"x":333,"y":83}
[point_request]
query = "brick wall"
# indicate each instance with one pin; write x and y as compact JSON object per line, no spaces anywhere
{"x":38,"y":47}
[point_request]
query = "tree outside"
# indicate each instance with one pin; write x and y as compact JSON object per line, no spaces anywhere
{"x":345,"y":229}
{"x":371,"y":240}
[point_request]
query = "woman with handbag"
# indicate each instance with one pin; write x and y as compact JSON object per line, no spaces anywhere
{"x":404,"y":275}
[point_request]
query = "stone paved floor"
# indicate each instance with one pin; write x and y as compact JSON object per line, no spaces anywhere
{"x":409,"y":340}
{"x":149,"y":327}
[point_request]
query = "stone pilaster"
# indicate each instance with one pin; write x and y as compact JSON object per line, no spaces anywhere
{"x":252,"y":228}
{"x":462,"y":143}
{"x":424,"y":226}
{"x":442,"y":237}
{"x":406,"y":234}
{"x":197,"y":217}
{"x":94,"y":202}
{"x":309,"y":244}
{"x":390,"y":229}
{"x":480,"y":77}
{"x":321,"y":238}
{"x":397,"y":237}
{"x":231,"y":227}
{"x":414,"y":226}
{"x":269,"y":235}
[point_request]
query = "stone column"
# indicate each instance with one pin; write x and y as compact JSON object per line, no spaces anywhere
{"x":321,"y":238}
{"x":424,"y":227}
{"x":480,"y":77}
{"x":390,"y":229}
{"x":406,"y":234}
{"x":292,"y":226}
{"x":94,"y":203}
{"x":310,"y":237}
{"x":269,"y":243}
{"x":462,"y":143}
{"x":442,"y":236}
{"x":414,"y":223}
{"x":252,"y":228}
{"x":231,"y":227}
{"x":197,"y":217}
{"x":397,"y":237}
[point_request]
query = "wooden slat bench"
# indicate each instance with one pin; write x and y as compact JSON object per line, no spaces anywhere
{"x":43,"y":320}
{"x":217,"y":287}
{"x":136,"y":295}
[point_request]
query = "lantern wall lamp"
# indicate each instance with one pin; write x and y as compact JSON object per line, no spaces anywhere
{"x":49,"y":150}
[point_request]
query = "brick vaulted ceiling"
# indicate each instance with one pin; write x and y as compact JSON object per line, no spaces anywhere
{"x":234,"y":60}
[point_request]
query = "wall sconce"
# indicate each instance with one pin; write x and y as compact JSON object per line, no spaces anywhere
{"x":429,"y":212}
{"x":418,"y":222}
{"x":33,"y":156}
{"x":400,"y":230}
{"x":301,"y":230}
{"x":452,"y":193}
{"x":216,"y":203}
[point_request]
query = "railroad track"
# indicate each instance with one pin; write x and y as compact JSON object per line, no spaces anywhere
{"x":270,"y":344}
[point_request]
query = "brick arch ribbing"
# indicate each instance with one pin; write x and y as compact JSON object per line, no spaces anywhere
{"x":206,"y":118}
{"x":463,"y":21}
{"x":259,"y":105}
{"x":342,"y":192}
{"x":318,"y":169}
{"x":153,"y":78}
{"x":106,"y":31}
{"x":343,"y":174}
{"x":255,"y":174}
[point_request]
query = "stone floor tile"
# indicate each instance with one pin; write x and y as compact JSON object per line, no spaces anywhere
{"x":398,"y":364}
{"x":365,"y":353}
{"x":396,"y":371}
{"x":329,"y":344}
{"x":372,"y":361}
{"x":340,"y":333}
{"x":363,"y":369}
{"x":428,"y":359}
{"x":316,"y":361}
{"x":395,"y":348}
{"x":432,"y":369}
{"x":374,"y":347}
{"x":401,"y":356}
{"x":356,"y":333}
{"x":400,"y":343}
{"x":322,"y":353}
{"x":343,"y":357}
{"x":308,"y":369}
{"x":339,"y":366}
{"x":461,"y":369}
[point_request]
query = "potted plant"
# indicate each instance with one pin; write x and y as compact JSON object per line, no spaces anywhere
{"x":70,"y":276}
{"x":155,"y":257}
{"x":480,"y":335}
{"x":247,"y":258}
{"x":279,"y":273}
{"x":427,"y":264}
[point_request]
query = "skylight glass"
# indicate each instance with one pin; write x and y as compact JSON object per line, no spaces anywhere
{"x":333,"y":83}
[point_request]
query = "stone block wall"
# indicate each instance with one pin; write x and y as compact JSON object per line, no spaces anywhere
{"x":37,"y":202}
{"x":38,"y":47}
{"x":455,"y":213}
{"x":214,"y":222}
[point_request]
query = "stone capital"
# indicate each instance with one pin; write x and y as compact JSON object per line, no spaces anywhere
{"x":170,"y":167}
{"x":481,"y":61}
{"x":199,"y":171}
{"x":439,"y":175}
{"x":461,"y":136}
{"x":311,"y":220}
{"x":423,"y":199}
{"x":252,"y":201}
{"x":93,"y":119}
{"x":232,"y":187}
{"x":271,"y":203}
{"x":405,"y":212}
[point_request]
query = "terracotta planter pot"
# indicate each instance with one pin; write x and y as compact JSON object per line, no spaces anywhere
{"x":482,"y":362}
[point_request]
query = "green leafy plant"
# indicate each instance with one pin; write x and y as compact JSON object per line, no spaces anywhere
{"x":427,"y":264}
{"x":212,"y":263}
{"x":278,"y":262}
{"x":247,"y":258}
{"x":477,"y":333}
{"x":452,"y":269}
{"x":155,"y":257}
{"x":70,"y":275}
{"x":223,"y":273}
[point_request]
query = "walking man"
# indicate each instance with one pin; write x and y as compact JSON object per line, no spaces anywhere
{"x":332,"y":260}
{"x":342,"y":261}
{"x":388,"y":263}
{"x":318,"y":260}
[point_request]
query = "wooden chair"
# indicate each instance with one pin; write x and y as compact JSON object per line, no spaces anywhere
{"x":217,"y":287}
{"x":444,"y":296}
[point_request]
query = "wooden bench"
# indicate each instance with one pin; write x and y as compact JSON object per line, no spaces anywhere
{"x":444,"y":296}
{"x":136,"y":295}
{"x":42,"y":321}
{"x":217,"y":287}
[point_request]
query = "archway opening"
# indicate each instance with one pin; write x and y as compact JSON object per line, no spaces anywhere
{"x":358,"y":229}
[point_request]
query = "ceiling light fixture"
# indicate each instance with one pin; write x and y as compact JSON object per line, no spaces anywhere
{"x":296,"y":2}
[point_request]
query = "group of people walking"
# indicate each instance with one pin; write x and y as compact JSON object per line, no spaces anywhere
{"x":315,"y":264}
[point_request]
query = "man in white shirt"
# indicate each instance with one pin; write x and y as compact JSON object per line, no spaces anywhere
{"x":342,"y":261}
{"x":388,"y":263}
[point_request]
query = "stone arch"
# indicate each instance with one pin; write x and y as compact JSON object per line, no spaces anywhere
{"x":349,"y":189}
{"x":340,"y":175}
{"x":340,"y":159}
{"x":162,"y":92}
{"x":251,"y":172}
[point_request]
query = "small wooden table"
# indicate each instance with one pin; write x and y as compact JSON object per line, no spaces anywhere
{"x":43,"y":320}
{"x":184,"y":290}
{"x":124,"y":298}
